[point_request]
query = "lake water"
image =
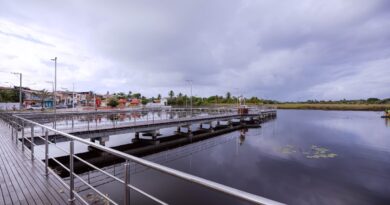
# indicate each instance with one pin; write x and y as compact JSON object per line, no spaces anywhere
{"x":302,"y":157}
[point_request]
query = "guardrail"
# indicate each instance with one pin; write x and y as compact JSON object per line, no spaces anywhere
{"x":108,"y":120}
{"x":19,"y":123}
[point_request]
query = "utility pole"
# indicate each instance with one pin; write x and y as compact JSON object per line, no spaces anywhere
{"x":55,"y":91}
{"x":73,"y":98}
{"x":20,"y":89}
{"x":94,"y":100}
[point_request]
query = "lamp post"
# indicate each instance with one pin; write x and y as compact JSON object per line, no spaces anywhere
{"x":73,"y":96}
{"x":55,"y":82}
{"x":20,"y":89}
{"x":55,"y":91}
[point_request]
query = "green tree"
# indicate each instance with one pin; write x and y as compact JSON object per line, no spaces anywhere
{"x":228,"y":96}
{"x":137,"y":95}
{"x":372,"y":100}
{"x":159,"y":96}
{"x":43,"y":94}
{"x":171,"y":94}
{"x":113,"y":102}
{"x":144,"y":101}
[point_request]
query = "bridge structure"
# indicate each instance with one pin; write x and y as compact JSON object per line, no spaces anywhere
{"x":19,"y":129}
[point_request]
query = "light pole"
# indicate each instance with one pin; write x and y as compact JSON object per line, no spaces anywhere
{"x":190,"y":82}
{"x":73,"y":97}
{"x":20,"y":89}
{"x":55,"y":91}
{"x":55,"y":83}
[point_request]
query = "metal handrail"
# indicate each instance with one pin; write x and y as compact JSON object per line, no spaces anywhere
{"x":191,"y":178}
{"x":197,"y":180}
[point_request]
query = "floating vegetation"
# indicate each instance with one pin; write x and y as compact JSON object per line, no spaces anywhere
{"x":316,"y":152}
{"x":96,"y":198}
{"x":319,"y":152}
{"x":288,"y":149}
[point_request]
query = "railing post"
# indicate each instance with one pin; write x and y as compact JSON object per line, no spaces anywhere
{"x":71,"y":169}
{"x":32,"y":142}
{"x":17,"y":134}
{"x":23,"y":136}
{"x":46,"y":153}
{"x":12,"y":131}
{"x":127,"y":181}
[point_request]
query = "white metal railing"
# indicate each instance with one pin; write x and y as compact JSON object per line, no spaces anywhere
{"x":19,"y":123}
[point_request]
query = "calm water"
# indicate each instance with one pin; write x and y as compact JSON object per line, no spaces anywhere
{"x":302,"y":157}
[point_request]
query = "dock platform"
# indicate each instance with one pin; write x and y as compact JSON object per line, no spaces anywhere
{"x":23,"y":181}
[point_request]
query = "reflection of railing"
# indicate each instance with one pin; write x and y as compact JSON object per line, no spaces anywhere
{"x":135,"y":119}
{"x":19,"y":123}
{"x":97,"y":179}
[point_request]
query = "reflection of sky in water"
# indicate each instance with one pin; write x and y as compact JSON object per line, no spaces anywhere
{"x":255,"y":163}
{"x":358,"y":175}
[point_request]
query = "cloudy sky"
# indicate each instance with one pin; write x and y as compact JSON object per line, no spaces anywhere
{"x":275,"y":49}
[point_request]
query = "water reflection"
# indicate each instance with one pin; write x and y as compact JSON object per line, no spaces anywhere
{"x":254,"y":161}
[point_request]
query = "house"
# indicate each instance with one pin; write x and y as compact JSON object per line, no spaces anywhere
{"x":135,"y":102}
{"x":158,"y":103}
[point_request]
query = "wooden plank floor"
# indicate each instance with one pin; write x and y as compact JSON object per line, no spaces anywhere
{"x":23,"y":181}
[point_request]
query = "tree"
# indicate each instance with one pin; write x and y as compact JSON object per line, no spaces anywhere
{"x":171,"y":94}
{"x":43,"y":94}
{"x":228,"y":95}
{"x":9,"y":95}
{"x":113,"y":102}
{"x":129,"y":94}
{"x":373,"y":100}
{"x":159,"y":96}
{"x":137,"y":95}
{"x":144,"y":101}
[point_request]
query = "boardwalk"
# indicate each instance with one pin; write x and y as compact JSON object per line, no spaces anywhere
{"x":23,"y":181}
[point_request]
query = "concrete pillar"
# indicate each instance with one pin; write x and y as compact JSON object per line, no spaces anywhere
{"x":178,"y":129}
{"x":137,"y":135}
{"x":154,"y":135}
{"x":201,"y":126}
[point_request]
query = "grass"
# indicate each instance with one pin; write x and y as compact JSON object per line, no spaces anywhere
{"x":304,"y":106}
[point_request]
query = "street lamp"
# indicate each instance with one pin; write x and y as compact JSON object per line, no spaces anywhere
{"x":55,"y":83}
{"x":20,"y":89}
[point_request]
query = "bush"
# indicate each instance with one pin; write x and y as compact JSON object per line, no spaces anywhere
{"x":113,"y":102}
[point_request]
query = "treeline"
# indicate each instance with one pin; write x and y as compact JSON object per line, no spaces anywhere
{"x":183,"y":100}
{"x":9,"y":95}
{"x":343,"y":101}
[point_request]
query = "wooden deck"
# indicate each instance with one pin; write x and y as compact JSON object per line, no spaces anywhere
{"x":22,"y":181}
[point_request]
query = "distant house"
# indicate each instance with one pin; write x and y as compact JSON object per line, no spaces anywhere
{"x":32,"y":97}
{"x":158,"y":103}
{"x":122,"y":103}
{"x":135,"y":102}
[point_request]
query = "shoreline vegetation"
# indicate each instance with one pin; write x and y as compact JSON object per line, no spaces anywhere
{"x":325,"y":106}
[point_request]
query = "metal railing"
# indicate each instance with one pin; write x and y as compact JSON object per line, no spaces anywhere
{"x":106,"y":120}
{"x":18,"y":123}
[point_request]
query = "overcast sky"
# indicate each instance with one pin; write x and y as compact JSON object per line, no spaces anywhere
{"x":275,"y":49}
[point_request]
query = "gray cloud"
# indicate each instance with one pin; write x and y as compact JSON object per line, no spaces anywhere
{"x":293,"y":50}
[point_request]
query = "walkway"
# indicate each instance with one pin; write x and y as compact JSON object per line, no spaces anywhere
{"x":23,"y":181}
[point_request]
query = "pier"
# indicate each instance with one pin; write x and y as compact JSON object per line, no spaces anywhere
{"x":22,"y":132}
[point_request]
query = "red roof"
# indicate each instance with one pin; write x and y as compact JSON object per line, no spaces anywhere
{"x":134,"y":101}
